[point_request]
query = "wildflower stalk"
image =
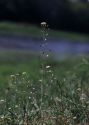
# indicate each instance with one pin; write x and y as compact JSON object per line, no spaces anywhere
{"x":43,"y":68}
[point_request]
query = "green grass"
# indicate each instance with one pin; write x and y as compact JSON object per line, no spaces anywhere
{"x":8,"y":28}
{"x":39,"y":91}
{"x":12,"y":62}
{"x":58,"y":93}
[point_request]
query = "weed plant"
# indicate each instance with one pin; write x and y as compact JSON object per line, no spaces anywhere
{"x":49,"y":99}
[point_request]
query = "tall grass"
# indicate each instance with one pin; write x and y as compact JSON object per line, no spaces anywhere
{"x":49,"y":99}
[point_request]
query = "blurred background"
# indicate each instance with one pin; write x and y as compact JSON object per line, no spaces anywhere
{"x":68,"y":15}
{"x":21,"y":37}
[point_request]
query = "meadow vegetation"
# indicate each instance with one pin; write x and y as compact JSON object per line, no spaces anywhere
{"x":35,"y":89}
{"x":49,"y":93}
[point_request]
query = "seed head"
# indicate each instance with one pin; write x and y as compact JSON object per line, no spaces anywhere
{"x":43,"y":24}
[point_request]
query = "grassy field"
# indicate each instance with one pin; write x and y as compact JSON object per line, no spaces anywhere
{"x":7,"y":28}
{"x":12,"y":62}
{"x":36,"y":91}
{"x":42,"y":91}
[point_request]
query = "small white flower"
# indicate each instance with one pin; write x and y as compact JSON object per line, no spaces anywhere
{"x":45,"y":39}
{"x":43,"y":24}
{"x":47,"y":55}
{"x":47,"y":67}
{"x":2,"y":117}
{"x":29,"y":97}
{"x":74,"y":117}
{"x":40,"y":80}
{"x":83,"y":97}
{"x":24,"y":73}
{"x":9,"y":108}
{"x":2,"y":101}
{"x":16,"y":106}
{"x":12,"y":76}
